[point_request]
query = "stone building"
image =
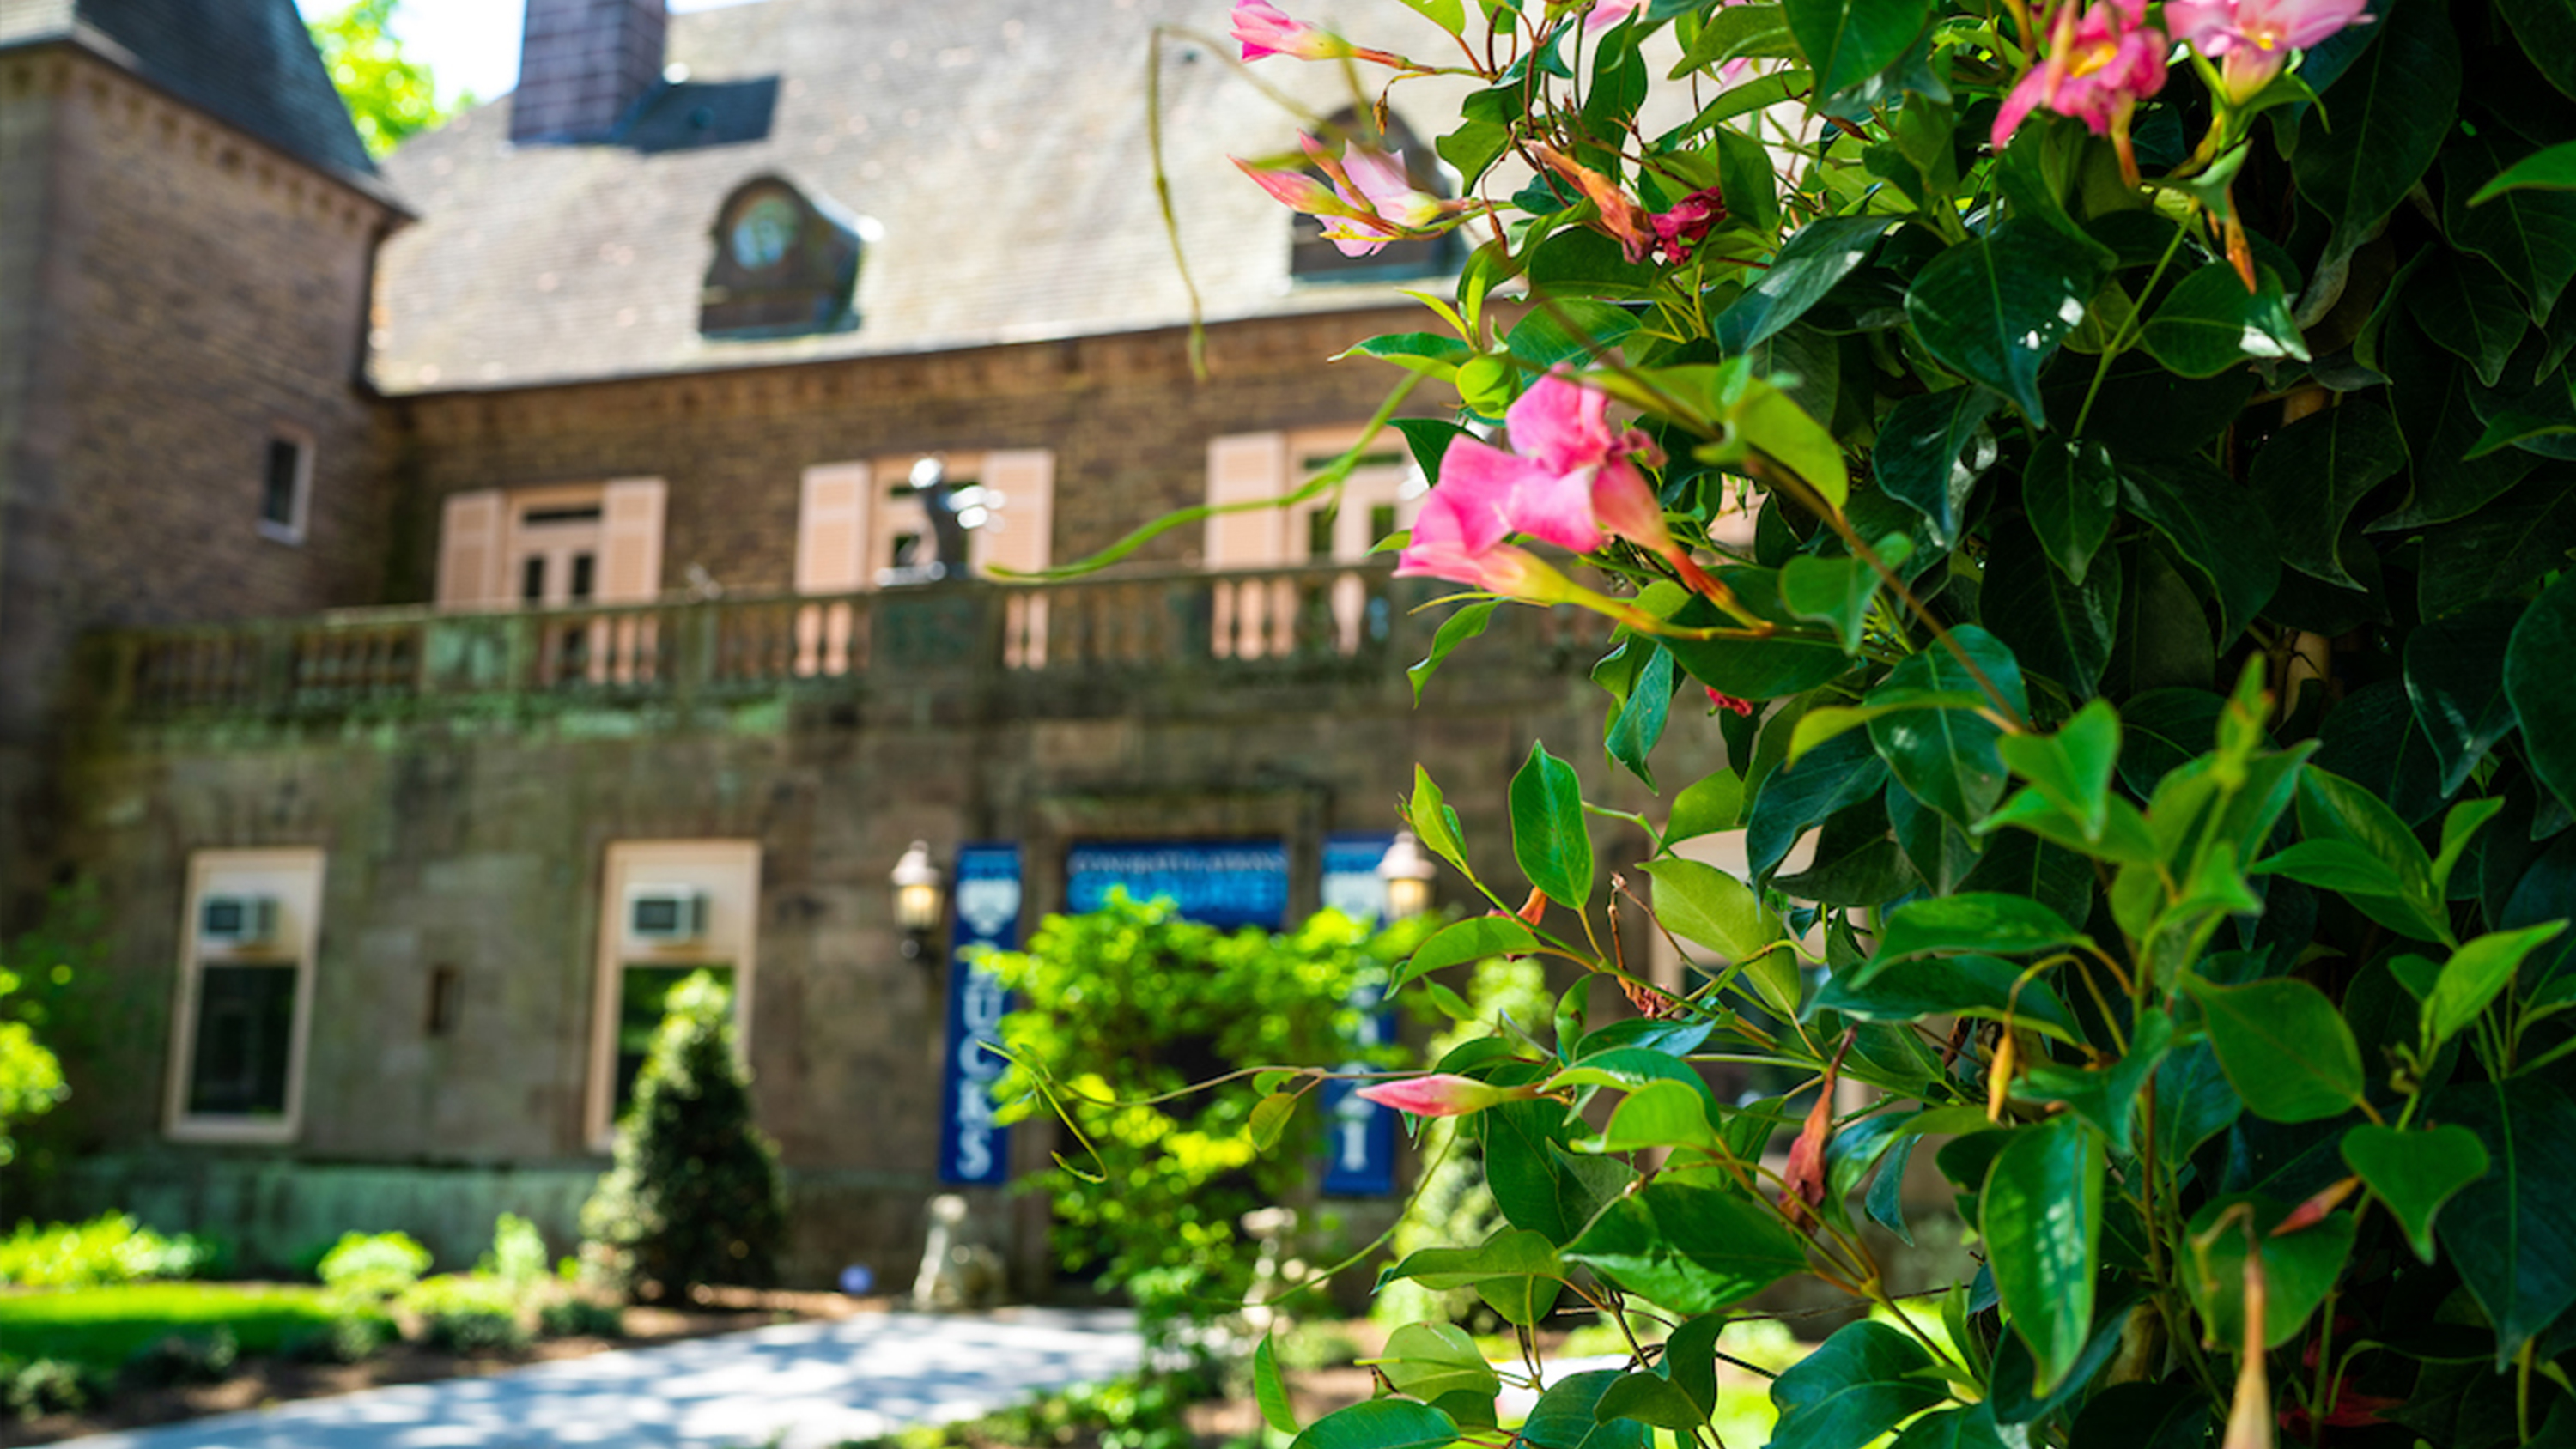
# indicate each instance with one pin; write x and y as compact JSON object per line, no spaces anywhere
{"x":438,"y":603}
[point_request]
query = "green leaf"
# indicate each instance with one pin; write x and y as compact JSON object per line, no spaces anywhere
{"x":1427,"y":1360}
{"x":2474,"y":974}
{"x":1756,"y":32}
{"x":2414,"y":1173}
{"x":1946,"y":758}
{"x":1270,"y":1118}
{"x":1712,"y":803}
{"x":1430,"y":353}
{"x":1755,"y":668}
{"x":1381,"y":1424}
{"x":1819,"y":727}
{"x":1537,"y":1184}
{"x":2284,"y":1047}
{"x":2072,"y":767}
{"x":1651,"y":1399}
{"x":1639,"y":720}
{"x":1549,"y":837}
{"x":2299,"y":1268}
{"x":2335,"y":865}
{"x":2334,"y":808}
{"x":1814,"y":258}
{"x":1455,"y":630}
{"x":1658,"y":1114}
{"x":2210,"y":323}
{"x":2535,"y":681}
{"x":1511,"y":1253}
{"x":1434,"y":823}
{"x":2455,"y":683}
{"x":2553,"y":169}
{"x":2071,"y":490}
{"x":2025,"y":865}
{"x":1473,"y":939}
{"x":1993,"y":310}
{"x":2215,"y":525}
{"x":2389,"y":114}
{"x":2509,"y":1233}
{"x":2106,"y":1098}
{"x":1834,"y":591}
{"x":1794,"y":798}
{"x":2530,"y":235}
{"x":1449,"y":15}
{"x":1566,"y":1416}
{"x":1980,"y":986}
{"x":2312,"y":474}
{"x":2058,"y":629}
{"x":1918,"y":457}
{"x":1849,"y":41}
{"x":1769,"y":420}
{"x":1856,"y":1385}
{"x":1691,"y":1249}
{"x":2499,"y":548}
{"x":2469,"y":310}
{"x":1704,"y":904}
{"x":1270,"y":1391}
{"x":1970,"y":1427}
{"x":1984,"y":922}
{"x":2041,"y":1217}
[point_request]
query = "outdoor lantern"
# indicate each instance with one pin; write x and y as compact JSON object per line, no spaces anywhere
{"x":1407,"y":873}
{"x":918,"y":892}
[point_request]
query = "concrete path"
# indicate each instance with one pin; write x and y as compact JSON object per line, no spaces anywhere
{"x":799,"y":1386}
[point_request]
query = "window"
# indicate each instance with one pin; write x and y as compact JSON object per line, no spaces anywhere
{"x":245,"y":995}
{"x":863,"y":525}
{"x":667,"y":908}
{"x":551,"y":546}
{"x":785,"y":264}
{"x":1380,"y":495}
{"x":286,"y":481}
{"x":446,"y":1000}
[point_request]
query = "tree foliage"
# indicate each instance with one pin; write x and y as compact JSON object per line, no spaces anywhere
{"x":2155,"y":587}
{"x":389,"y":96}
{"x":693,"y":1195}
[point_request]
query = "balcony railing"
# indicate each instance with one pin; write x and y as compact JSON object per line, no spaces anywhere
{"x":1352,"y":620}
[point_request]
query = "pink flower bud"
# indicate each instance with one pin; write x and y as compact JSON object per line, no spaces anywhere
{"x":1264,"y":30}
{"x":1442,"y":1095}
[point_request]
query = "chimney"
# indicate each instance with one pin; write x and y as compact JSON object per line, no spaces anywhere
{"x":583,"y":64}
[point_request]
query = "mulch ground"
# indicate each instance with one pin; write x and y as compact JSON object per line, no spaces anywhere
{"x":256,"y":1383}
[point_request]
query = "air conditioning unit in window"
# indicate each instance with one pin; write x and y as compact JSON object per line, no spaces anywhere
{"x":237,"y":920}
{"x":661,"y":915}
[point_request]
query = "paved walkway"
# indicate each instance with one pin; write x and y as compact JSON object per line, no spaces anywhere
{"x":798,"y":1386}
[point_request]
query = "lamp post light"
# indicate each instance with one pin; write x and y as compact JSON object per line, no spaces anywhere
{"x":1408,"y":874}
{"x":920,"y":899}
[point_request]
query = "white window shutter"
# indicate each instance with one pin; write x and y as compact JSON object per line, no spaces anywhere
{"x":832,"y":515}
{"x":1020,"y":534}
{"x":469,"y":550}
{"x":631,"y":540}
{"x":1242,"y":468}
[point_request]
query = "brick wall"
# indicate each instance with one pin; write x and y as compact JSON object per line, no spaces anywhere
{"x":170,"y":291}
{"x":1128,"y":426}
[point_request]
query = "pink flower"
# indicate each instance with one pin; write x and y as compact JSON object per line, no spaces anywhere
{"x":1678,"y":230}
{"x":1459,"y":536}
{"x":1624,"y":221}
{"x":1264,"y":30}
{"x":1442,"y":1095}
{"x":2099,"y":65}
{"x":1372,"y":199}
{"x":1607,"y":13}
{"x":1728,"y":702}
{"x":2252,"y":39}
{"x":1575,"y":478}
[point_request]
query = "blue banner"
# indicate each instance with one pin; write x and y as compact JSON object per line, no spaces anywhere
{"x":1221,"y":882}
{"x":973,"y":1149}
{"x":1359,"y":1149}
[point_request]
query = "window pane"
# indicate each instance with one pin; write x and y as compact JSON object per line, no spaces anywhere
{"x":532,"y":578}
{"x":1381,"y":521}
{"x":277,"y":493}
{"x":583,"y":566}
{"x":1319,"y":533}
{"x":639,"y":1014}
{"x":245,"y":1023}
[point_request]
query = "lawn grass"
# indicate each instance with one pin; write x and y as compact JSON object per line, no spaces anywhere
{"x":101,"y":1327}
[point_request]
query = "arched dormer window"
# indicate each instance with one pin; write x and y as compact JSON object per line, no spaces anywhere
{"x":785,"y":264}
{"x":1313,"y":259}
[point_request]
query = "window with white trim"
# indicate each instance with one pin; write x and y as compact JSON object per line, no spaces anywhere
{"x":667,"y":908}
{"x":1380,"y":495}
{"x":286,"y":484}
{"x":245,"y":995}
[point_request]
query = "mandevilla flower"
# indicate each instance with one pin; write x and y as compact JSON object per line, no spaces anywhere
{"x":1606,"y":13}
{"x":1571,"y":478}
{"x":1678,"y":230}
{"x":1372,"y":199}
{"x":1443,"y":1095}
{"x":1623,"y":220}
{"x":2099,"y":65}
{"x":1459,"y":536}
{"x":2252,"y":39}
{"x":1265,"y":30}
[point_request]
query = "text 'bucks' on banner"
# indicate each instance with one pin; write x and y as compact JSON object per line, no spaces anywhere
{"x":973,"y":1148}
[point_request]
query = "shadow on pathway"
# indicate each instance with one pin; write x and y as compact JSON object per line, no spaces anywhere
{"x":801,"y":1386}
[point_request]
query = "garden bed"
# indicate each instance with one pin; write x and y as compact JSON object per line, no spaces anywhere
{"x":102,"y":1326}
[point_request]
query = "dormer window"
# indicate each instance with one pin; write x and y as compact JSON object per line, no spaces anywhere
{"x":1313,"y":259}
{"x":786,"y":264}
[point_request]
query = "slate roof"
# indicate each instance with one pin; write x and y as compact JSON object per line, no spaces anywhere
{"x":247,"y":62}
{"x":999,"y":144}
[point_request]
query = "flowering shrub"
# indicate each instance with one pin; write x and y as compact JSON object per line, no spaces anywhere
{"x":2155,"y":432}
